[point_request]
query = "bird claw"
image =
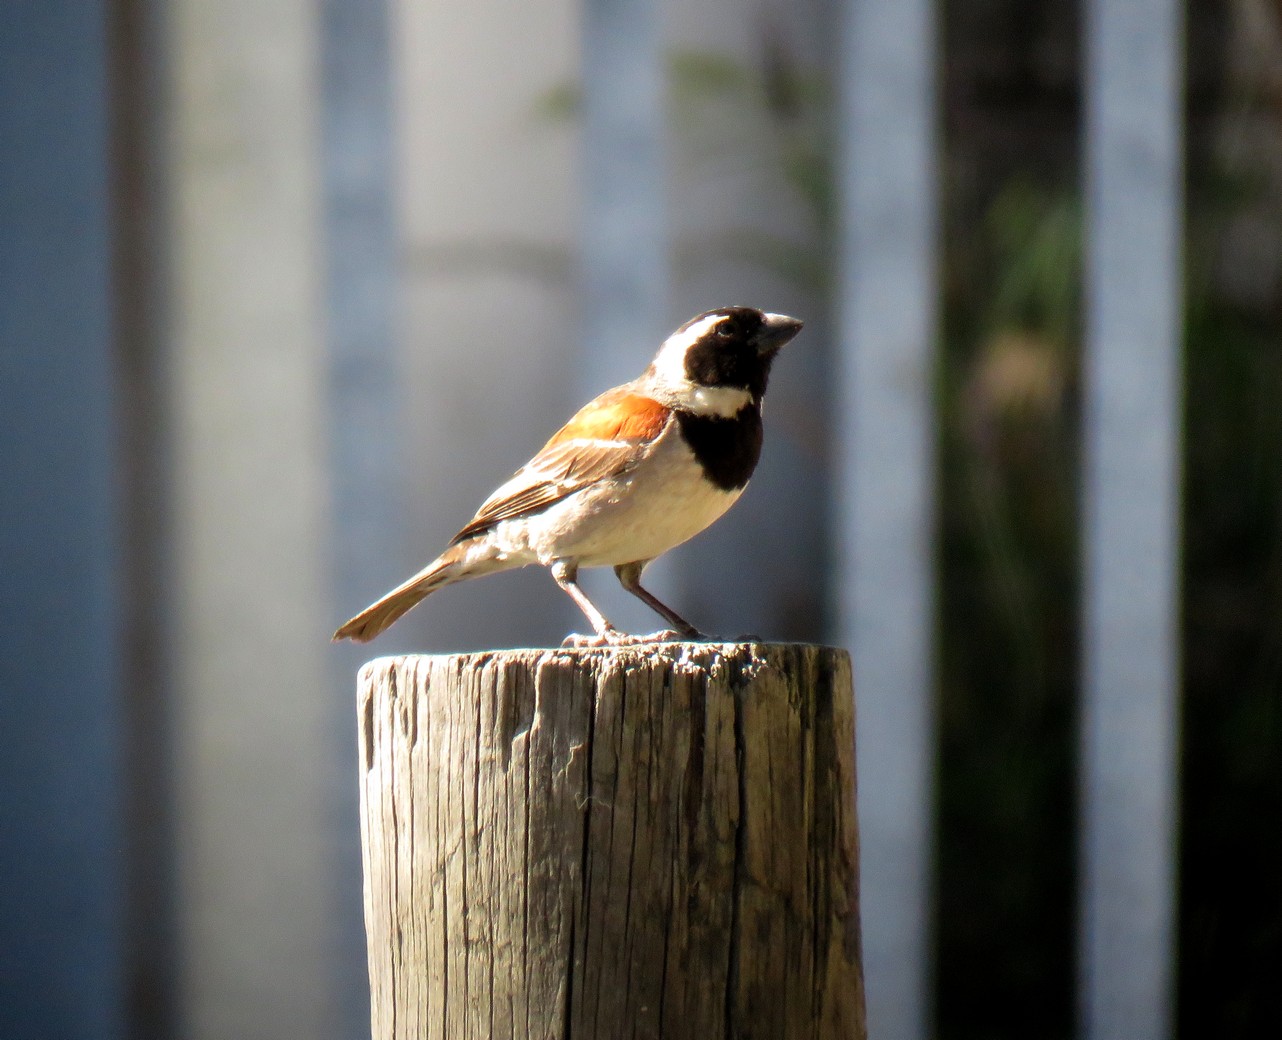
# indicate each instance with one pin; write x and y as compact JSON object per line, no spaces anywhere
{"x":575,"y":641}
{"x":670,"y":635}
{"x":613,"y":637}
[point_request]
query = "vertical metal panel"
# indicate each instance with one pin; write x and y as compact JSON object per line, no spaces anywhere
{"x":61,"y":891}
{"x":365,"y":431}
{"x":1131,"y":500}
{"x":487,"y":216}
{"x":360,"y":288}
{"x":624,"y":268}
{"x":624,"y":245}
{"x":254,"y":725}
{"x":886,"y":300}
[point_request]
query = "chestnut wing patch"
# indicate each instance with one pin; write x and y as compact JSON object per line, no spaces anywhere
{"x":617,"y":415}
{"x":605,"y":439}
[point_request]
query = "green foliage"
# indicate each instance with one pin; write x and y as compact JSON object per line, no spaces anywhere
{"x":1231,"y":926}
{"x":1008,"y":602}
{"x":1033,"y":236}
{"x":559,"y":104}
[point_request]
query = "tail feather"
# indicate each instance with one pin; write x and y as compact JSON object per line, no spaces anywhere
{"x":451,"y":566}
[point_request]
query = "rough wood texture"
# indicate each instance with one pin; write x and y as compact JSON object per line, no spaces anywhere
{"x":654,"y":841}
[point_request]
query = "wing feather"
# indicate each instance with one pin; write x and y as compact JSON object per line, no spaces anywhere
{"x":605,"y":439}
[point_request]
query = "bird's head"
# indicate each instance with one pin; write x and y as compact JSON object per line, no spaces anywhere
{"x":719,"y":361}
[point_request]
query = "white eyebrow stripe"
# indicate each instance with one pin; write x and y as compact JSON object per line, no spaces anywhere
{"x":670,"y":362}
{"x":695,"y":332}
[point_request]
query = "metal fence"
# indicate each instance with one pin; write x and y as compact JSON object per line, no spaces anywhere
{"x":323,"y":189}
{"x":886,"y":306}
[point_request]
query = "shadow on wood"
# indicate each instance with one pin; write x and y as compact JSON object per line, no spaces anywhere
{"x":653,"y":841}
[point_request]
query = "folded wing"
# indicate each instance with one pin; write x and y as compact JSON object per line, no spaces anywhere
{"x":605,"y":439}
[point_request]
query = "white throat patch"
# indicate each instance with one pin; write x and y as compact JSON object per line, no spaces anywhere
{"x":723,"y":401}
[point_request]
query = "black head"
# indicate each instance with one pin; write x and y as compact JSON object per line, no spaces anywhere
{"x":733,"y":347}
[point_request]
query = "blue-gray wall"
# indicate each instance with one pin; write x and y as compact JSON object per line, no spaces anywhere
{"x":60,"y":816}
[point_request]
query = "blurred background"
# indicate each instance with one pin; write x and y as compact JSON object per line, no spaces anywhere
{"x":286,"y":288}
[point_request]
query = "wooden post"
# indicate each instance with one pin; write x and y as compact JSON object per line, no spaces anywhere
{"x":653,"y":841}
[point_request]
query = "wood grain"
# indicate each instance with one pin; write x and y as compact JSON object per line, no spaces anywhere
{"x":655,"y":841}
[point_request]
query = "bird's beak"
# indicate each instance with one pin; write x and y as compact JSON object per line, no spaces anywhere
{"x":776,"y":332}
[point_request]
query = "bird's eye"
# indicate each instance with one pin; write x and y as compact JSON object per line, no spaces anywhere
{"x":723,"y":331}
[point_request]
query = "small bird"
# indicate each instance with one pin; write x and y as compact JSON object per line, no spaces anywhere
{"x":637,"y":471}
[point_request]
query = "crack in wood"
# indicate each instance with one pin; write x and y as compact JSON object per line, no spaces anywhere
{"x":740,"y":863}
{"x":644,"y":841}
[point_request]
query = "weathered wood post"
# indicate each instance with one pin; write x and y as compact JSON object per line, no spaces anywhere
{"x":651,"y":841}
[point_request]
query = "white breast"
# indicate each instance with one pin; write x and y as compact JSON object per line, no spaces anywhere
{"x":663,"y":502}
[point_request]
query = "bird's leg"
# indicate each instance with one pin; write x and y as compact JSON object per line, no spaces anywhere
{"x":629,"y":575}
{"x":566,"y":574}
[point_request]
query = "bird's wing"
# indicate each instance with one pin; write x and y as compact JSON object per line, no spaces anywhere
{"x":604,"y":439}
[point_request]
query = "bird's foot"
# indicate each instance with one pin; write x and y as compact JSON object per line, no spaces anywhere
{"x":613,"y":637}
{"x":670,"y":635}
{"x":705,"y":637}
{"x":576,"y":641}
{"x":607,"y":637}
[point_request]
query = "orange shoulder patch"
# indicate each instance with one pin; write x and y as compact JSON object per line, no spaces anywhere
{"x":618,"y":415}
